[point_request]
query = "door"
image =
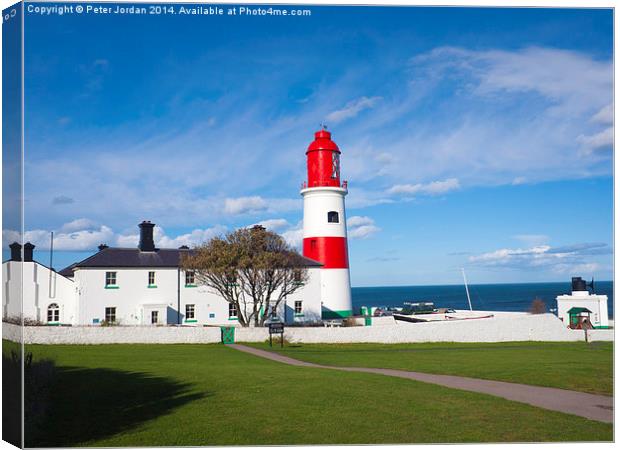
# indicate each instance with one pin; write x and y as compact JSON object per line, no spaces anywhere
{"x":154,"y":317}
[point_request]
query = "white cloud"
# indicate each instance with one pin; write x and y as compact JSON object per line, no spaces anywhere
{"x":245,"y":205}
{"x":257,"y":205}
{"x":352,"y":109}
{"x":432,"y":188}
{"x":361,"y":227}
{"x":564,"y":259}
{"x":575,"y":82}
{"x":605,"y":115}
{"x":71,"y":238}
{"x":78,"y":224}
{"x":275,"y":224}
{"x":602,"y":139}
{"x":294,"y":236}
{"x":193,"y":239}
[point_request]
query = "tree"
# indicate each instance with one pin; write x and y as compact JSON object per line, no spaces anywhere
{"x":538,"y":306}
{"x":253,"y":269}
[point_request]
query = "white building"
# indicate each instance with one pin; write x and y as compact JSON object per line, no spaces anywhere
{"x":580,"y":297}
{"x":132,"y":286}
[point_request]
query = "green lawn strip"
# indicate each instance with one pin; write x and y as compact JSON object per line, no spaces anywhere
{"x":154,"y":395}
{"x":567,"y":365}
{"x":10,"y":346}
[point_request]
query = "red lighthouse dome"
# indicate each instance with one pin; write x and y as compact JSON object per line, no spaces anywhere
{"x":323,"y":161}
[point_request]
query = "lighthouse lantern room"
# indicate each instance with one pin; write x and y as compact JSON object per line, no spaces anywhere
{"x":325,"y":230}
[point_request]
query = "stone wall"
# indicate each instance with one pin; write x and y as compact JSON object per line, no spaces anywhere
{"x":503,"y":328}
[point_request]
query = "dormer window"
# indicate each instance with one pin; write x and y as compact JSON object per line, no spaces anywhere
{"x":332,"y":217}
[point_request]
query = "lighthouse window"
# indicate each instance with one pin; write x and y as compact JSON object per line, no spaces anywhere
{"x":335,"y":165}
{"x":332,"y":217}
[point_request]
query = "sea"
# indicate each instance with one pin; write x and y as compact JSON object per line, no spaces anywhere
{"x":485,"y":297}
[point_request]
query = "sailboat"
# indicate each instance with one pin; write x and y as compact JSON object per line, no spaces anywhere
{"x":427,"y":312}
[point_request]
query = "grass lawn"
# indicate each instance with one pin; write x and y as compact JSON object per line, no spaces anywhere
{"x":568,"y":365}
{"x":150,"y":395}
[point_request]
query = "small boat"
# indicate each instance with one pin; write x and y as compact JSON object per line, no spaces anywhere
{"x":421,"y":312}
{"x":427,"y":312}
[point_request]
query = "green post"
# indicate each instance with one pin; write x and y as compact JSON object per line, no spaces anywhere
{"x":366,"y":311}
{"x":228,"y":335}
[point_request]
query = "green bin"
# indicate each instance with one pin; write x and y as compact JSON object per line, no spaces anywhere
{"x":367,"y":321}
{"x":228,"y":335}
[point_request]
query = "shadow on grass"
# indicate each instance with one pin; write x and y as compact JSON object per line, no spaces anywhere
{"x":92,"y":404}
{"x":11,"y":396}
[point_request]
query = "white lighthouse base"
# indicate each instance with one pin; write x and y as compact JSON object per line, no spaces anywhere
{"x":336,"y":294}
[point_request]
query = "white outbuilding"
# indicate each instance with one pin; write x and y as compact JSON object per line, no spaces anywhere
{"x":582,"y":304}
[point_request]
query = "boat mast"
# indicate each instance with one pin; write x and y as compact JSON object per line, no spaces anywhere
{"x":466,"y":289}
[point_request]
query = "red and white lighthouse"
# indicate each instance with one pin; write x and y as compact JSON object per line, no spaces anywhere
{"x":325,"y":230}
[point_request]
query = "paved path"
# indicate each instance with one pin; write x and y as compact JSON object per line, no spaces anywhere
{"x":590,"y":406}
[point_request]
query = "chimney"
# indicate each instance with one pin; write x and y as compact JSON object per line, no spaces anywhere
{"x":102,"y":247}
{"x":28,"y":248}
{"x":146,"y":236}
{"x":16,"y":251}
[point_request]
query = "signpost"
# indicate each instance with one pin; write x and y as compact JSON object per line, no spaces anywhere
{"x":276,"y":328}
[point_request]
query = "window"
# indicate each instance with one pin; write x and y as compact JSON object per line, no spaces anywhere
{"x":313,"y":244}
{"x":335,"y":164}
{"x":151,"y":278}
{"x":110,"y":278}
{"x":154,"y":317}
{"x":298,"y":308}
{"x":110,"y":314}
{"x":297,"y":276}
{"x":190,"y":278}
{"x":53,"y":313}
{"x":232,"y":310}
{"x":332,"y":217}
{"x":190,"y":312}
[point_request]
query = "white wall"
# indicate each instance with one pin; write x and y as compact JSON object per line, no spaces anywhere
{"x":40,"y":287}
{"x":542,"y":327}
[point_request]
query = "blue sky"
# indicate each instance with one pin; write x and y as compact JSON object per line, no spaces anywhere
{"x":476,"y":138}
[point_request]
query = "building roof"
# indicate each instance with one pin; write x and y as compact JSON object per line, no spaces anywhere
{"x":577,"y":310}
{"x":111,"y":257}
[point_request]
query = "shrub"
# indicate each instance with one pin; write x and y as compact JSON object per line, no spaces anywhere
{"x":538,"y":307}
{"x":350,"y":322}
{"x":28,"y":322}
